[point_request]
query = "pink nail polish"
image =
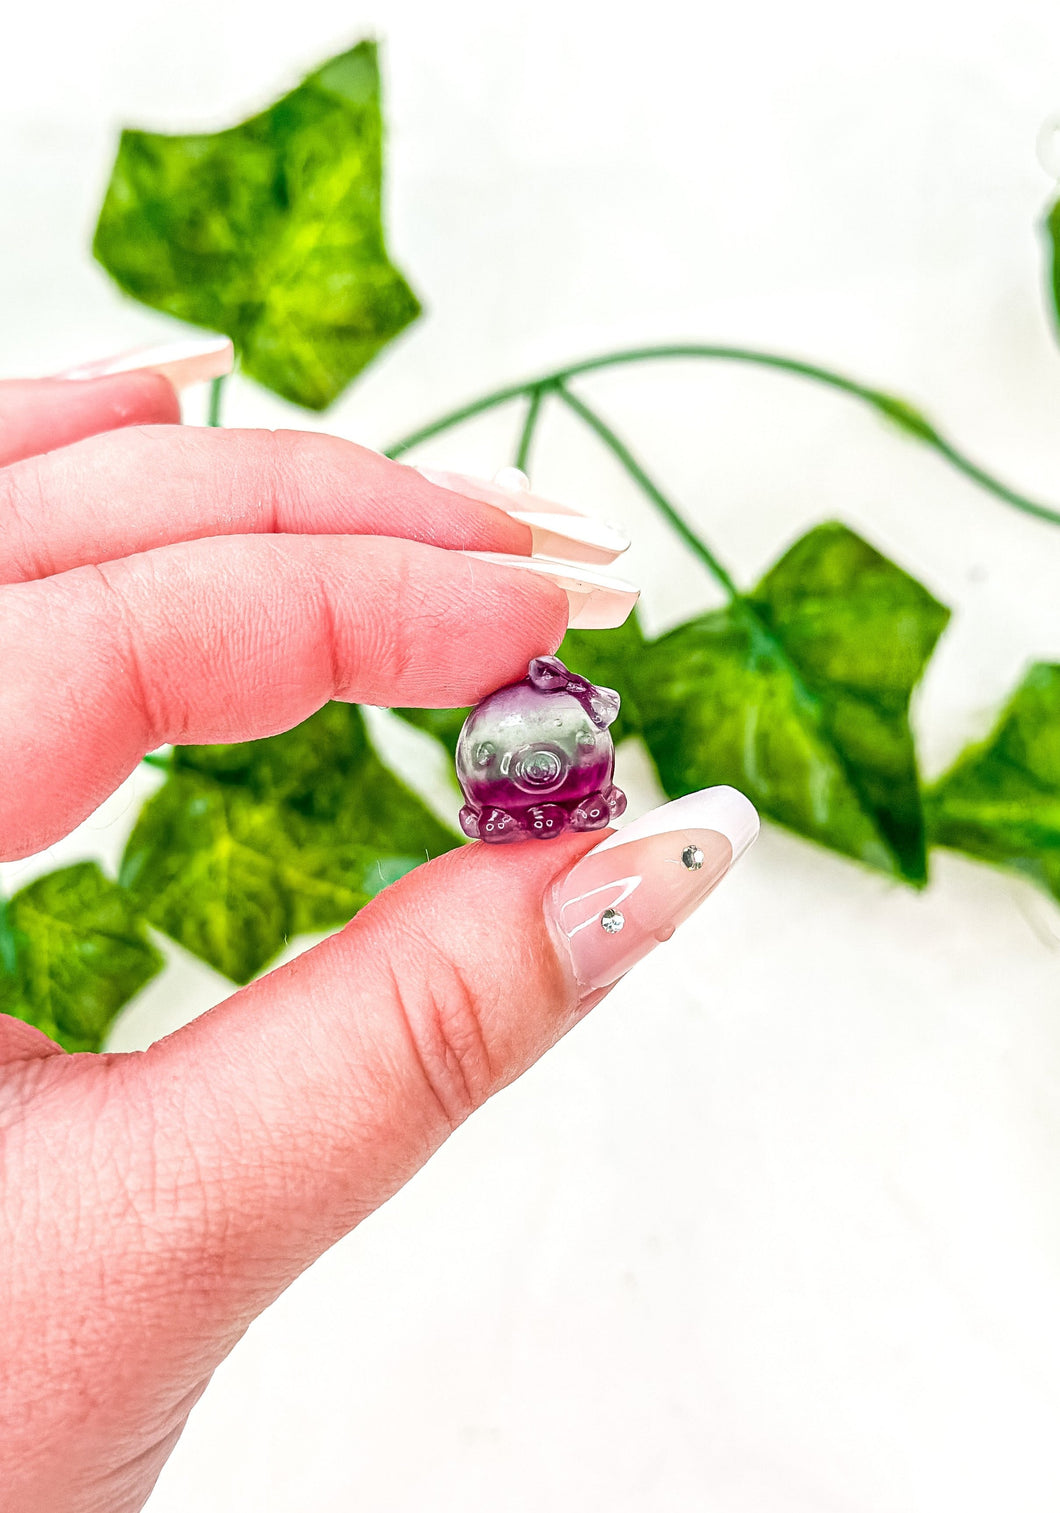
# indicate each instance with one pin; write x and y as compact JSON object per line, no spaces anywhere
{"x":509,"y":490}
{"x":598,"y":601}
{"x":631,"y":892}
{"x":187,"y":361}
{"x":557,"y":530}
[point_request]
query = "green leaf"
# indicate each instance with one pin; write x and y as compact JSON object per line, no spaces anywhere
{"x":614,"y":658}
{"x":799,"y":696}
{"x":247,"y":846}
{"x":1001,"y":800}
{"x":270,"y":232}
{"x":444,"y":724}
{"x":610,"y":657}
{"x":74,"y":952}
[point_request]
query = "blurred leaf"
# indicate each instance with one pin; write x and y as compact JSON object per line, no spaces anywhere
{"x":270,"y":232}
{"x":799,"y":696}
{"x":444,"y":724}
{"x":613,"y":658}
{"x":610,"y":657}
{"x":1001,"y":800}
{"x":73,"y":953}
{"x":246,"y":846}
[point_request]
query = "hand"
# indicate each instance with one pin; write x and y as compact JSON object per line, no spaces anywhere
{"x":165,"y":584}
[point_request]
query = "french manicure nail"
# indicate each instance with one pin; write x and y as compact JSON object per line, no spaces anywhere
{"x":632,"y":890}
{"x":182,"y":362}
{"x":557,"y":530}
{"x":597,"y":600}
{"x":576,"y":536}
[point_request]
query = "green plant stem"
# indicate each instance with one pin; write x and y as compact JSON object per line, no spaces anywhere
{"x":621,"y":452}
{"x":152,"y":759}
{"x":213,"y":417}
{"x":991,"y":484}
{"x":533,"y":414}
{"x":8,"y":943}
{"x":911,"y":421}
{"x":763,"y":635}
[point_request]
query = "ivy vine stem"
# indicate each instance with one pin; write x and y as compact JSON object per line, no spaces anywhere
{"x":213,"y":417}
{"x":618,"y":448}
{"x":533,"y":414}
{"x":8,"y":944}
{"x":901,"y":413}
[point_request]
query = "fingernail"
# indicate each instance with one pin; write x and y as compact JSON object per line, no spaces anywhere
{"x":597,"y":601}
{"x":182,"y":362}
{"x":632,"y":891}
{"x":557,"y":530}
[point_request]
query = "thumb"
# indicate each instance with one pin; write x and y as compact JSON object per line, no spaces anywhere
{"x":230,"y":1155}
{"x":306,"y":1100}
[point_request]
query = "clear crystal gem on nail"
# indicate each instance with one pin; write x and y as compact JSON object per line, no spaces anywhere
{"x":612,"y":921}
{"x":692,"y":857}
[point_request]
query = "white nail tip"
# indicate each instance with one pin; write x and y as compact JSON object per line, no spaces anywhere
{"x":598,"y":610}
{"x":598,"y":601}
{"x":182,"y":362}
{"x":509,"y":491}
{"x":723,"y":809}
{"x":577,"y":575}
{"x":512,"y":478}
{"x":580,"y":528}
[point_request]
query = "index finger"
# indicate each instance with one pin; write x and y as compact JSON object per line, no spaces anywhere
{"x":132,"y":491}
{"x":236,"y":638}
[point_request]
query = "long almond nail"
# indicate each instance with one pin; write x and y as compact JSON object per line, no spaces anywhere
{"x":597,"y":601}
{"x":632,"y":891}
{"x":182,"y":362}
{"x":557,"y":530}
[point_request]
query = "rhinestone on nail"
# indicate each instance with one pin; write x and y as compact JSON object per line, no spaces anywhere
{"x":612,"y":921}
{"x":692,"y":858}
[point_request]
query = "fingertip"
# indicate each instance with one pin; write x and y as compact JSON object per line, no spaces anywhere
{"x":20,"y":1041}
{"x":42,"y":414}
{"x":142,"y":399}
{"x":115,"y":401}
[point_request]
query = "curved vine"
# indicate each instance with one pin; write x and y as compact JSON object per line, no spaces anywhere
{"x":535,"y":390}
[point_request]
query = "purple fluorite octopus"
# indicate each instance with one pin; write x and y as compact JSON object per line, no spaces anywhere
{"x":536,"y":758}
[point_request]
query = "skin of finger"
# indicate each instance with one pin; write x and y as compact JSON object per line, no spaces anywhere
{"x":225,"y":1159}
{"x":116,"y":494}
{"x":40,"y":414}
{"x":235,"y":638}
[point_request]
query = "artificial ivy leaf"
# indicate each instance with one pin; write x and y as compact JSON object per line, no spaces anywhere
{"x":443,"y":724}
{"x":1001,"y":801}
{"x":613,"y":658}
{"x":610,"y":657}
{"x":76,"y":953}
{"x":799,"y":696}
{"x":246,"y":846}
{"x":270,"y":232}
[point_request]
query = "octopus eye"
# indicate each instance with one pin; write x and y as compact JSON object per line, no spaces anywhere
{"x":538,"y":768}
{"x":586,"y":740}
{"x":483,"y":752}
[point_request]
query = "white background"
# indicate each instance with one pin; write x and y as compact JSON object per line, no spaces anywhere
{"x":779,"y":1227}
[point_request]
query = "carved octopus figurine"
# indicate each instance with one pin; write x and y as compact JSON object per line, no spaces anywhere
{"x":536,"y":758}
